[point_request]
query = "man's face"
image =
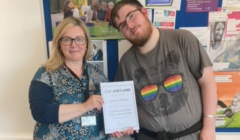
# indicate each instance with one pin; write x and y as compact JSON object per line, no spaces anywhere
{"x":135,"y":24}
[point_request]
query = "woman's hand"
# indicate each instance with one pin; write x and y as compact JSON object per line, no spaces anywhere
{"x":95,"y":101}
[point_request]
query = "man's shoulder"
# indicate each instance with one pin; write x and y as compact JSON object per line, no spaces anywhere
{"x":178,"y":35}
{"x":128,"y":53}
{"x":179,"y":32}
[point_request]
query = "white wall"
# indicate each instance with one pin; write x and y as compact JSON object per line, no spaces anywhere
{"x":22,"y":51}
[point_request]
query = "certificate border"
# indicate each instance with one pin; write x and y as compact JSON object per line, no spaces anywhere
{"x":134,"y":103}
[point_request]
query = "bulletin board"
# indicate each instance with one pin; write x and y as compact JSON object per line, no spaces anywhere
{"x":183,"y":19}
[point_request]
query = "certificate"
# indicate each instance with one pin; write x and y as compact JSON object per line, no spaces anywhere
{"x":119,"y":108}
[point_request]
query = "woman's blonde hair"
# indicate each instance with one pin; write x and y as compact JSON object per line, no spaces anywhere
{"x":57,"y":58}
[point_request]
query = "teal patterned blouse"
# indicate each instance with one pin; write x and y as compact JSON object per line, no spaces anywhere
{"x":49,"y":90}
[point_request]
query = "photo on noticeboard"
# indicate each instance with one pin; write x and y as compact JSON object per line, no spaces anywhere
{"x":94,"y":13}
{"x":224,"y":45}
{"x":98,"y":56}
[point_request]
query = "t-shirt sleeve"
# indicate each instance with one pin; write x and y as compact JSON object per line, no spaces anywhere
{"x":123,"y":72}
{"x":40,"y":99}
{"x":196,"y":57}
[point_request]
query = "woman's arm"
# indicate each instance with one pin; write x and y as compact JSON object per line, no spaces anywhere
{"x":70,"y":111}
{"x":45,"y":111}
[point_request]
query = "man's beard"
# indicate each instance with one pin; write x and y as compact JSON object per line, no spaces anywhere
{"x":144,"y":37}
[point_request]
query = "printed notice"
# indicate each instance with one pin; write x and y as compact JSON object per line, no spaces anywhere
{"x":201,"y":33}
{"x":119,"y":108}
{"x":230,"y":5}
{"x":164,"y":19}
{"x":201,"y":5}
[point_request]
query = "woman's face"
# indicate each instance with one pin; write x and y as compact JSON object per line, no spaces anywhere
{"x":103,"y":5}
{"x":219,"y":30}
{"x":74,"y":51}
{"x":110,"y":5}
{"x":70,"y":5}
{"x":94,"y":2}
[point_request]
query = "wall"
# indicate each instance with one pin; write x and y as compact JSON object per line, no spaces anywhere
{"x":22,"y":51}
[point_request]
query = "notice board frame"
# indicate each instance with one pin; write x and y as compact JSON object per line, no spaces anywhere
{"x":183,"y":19}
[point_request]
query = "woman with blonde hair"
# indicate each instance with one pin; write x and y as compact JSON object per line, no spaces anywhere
{"x":216,"y":39}
{"x":64,"y":94}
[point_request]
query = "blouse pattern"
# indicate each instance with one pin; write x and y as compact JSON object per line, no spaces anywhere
{"x":67,"y":89}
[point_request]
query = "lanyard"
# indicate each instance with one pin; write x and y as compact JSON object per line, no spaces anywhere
{"x":86,"y":91}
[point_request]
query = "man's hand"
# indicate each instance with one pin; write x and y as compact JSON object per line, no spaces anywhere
{"x":118,"y":134}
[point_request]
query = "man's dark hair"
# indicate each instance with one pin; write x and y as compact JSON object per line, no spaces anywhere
{"x":119,"y":5}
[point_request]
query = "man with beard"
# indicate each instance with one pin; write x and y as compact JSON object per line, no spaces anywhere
{"x":174,"y":82}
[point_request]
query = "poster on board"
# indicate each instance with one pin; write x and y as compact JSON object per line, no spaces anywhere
{"x":230,"y":5}
{"x":94,"y":13}
{"x":201,"y":5}
{"x":162,"y":4}
{"x":99,"y":55}
{"x":224,"y":47}
{"x":164,"y":19}
{"x":228,"y":89}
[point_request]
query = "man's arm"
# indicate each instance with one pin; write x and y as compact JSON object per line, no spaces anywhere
{"x":209,"y":99}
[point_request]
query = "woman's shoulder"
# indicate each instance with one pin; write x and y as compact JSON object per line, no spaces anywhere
{"x":39,"y":73}
{"x":42,"y":75}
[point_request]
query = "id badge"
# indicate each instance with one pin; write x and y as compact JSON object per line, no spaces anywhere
{"x":88,"y":120}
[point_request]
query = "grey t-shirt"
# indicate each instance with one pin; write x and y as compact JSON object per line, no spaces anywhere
{"x":167,"y":91}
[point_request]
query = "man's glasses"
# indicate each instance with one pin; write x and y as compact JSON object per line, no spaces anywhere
{"x":171,"y":84}
{"x":68,"y":40}
{"x":130,"y":17}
